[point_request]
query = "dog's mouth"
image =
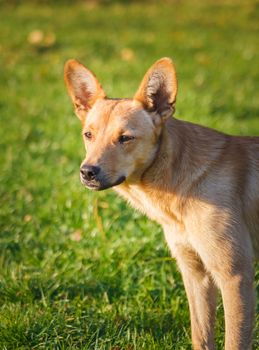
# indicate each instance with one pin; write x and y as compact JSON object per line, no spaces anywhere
{"x":102,"y":185}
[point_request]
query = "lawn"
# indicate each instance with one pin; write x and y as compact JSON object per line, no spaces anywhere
{"x":82,"y":270}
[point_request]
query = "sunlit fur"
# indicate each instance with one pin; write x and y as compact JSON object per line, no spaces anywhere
{"x":202,"y":186}
{"x":107,"y":120}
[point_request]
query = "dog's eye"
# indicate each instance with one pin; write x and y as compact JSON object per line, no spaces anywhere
{"x":88,"y":135}
{"x":125,"y":138}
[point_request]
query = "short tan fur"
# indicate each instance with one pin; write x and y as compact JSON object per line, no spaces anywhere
{"x":200,"y":185}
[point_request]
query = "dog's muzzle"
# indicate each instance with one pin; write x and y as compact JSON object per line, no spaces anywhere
{"x":92,"y":178}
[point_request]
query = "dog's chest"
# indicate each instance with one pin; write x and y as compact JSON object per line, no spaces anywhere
{"x":155,"y":206}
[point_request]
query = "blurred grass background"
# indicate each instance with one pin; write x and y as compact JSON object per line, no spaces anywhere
{"x":82,"y":270}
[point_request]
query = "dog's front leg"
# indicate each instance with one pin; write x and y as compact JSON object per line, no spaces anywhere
{"x":201,"y":292}
{"x":238,"y":300}
{"x":200,"y":288}
{"x":226,"y":253}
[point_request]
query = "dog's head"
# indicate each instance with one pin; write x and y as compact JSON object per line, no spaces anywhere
{"x":121,"y":135}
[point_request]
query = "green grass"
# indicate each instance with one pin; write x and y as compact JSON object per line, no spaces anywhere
{"x":82,"y":270}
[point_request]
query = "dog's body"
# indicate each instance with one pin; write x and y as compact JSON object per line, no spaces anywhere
{"x":202,"y":186}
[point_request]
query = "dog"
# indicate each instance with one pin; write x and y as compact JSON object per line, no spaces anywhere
{"x":200,"y":185}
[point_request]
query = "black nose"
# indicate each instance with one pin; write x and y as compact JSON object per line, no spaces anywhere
{"x":89,"y":172}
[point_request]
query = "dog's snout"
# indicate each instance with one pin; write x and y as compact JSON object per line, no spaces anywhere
{"x":89,"y":172}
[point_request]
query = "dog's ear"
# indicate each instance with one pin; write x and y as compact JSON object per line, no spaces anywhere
{"x":83,"y":87}
{"x":158,"y":89}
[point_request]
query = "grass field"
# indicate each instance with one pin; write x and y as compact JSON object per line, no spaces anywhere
{"x":82,"y":270}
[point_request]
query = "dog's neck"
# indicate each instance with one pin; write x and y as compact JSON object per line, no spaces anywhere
{"x":184,"y":155}
{"x":159,"y":173}
{"x":174,"y":157}
{"x":156,"y":181}
{"x":178,"y":166}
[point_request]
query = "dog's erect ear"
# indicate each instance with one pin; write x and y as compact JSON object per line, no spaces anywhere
{"x":83,"y":87}
{"x":158,"y":89}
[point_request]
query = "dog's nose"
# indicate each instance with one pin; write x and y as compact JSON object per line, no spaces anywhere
{"x":89,"y":172}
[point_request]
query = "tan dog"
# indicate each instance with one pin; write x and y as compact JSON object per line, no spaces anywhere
{"x":202,"y":186}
